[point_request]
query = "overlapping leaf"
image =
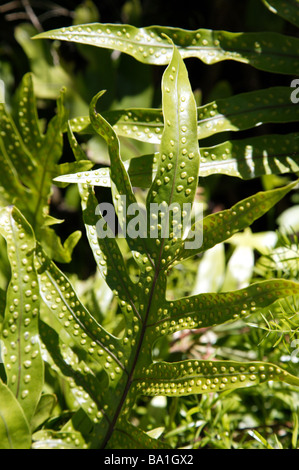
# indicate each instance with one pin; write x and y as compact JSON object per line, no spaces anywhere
{"x":157,"y":242}
{"x":14,"y":427}
{"x":250,"y":158}
{"x":59,"y":295}
{"x":148,"y":313}
{"x":126,"y":436}
{"x":267,"y":51}
{"x":106,"y":372}
{"x":140,"y":171}
{"x":246,"y":158}
{"x":86,"y":388}
{"x":236,"y":113}
{"x":122,"y":192}
{"x":108,"y":257}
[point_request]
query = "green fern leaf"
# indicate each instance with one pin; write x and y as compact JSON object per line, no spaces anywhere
{"x":245,"y":159}
{"x":122,"y":363}
{"x":58,"y":440}
{"x":205,"y":310}
{"x":221,"y":225}
{"x":143,"y":304}
{"x":250,"y":158}
{"x":59,"y":295}
{"x":236,"y":113}
{"x":267,"y":51}
{"x":126,"y":436}
{"x":21,"y":348}
{"x":174,"y":184}
{"x":187,"y":377}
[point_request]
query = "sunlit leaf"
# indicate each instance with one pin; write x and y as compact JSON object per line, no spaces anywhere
{"x":220,"y":226}
{"x":78,"y":374}
{"x":246,"y":159}
{"x":204,"y":310}
{"x":44,"y":410}
{"x":59,"y":295}
{"x":30,"y":160}
{"x":250,"y":158}
{"x":178,"y":162}
{"x":107,"y":369}
{"x":267,"y":51}
{"x":20,"y":335}
{"x":128,"y":436}
{"x":148,"y":315}
{"x":49,"y":439}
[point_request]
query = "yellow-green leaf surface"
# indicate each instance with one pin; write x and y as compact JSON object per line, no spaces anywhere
{"x":121,"y":186}
{"x":221,"y":225}
{"x":267,"y":51}
{"x":44,"y":409}
{"x":14,"y":428}
{"x":28,"y":122}
{"x":49,"y":439}
{"x":109,"y":258}
{"x":20,"y":334}
{"x":125,"y":361}
{"x":67,"y":366}
{"x":250,"y":158}
{"x":13,"y":147}
{"x":127,"y":436}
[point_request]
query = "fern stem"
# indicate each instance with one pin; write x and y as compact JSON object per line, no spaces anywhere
{"x":136,"y":356}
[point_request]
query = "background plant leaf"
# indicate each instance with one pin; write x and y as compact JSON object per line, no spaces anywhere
{"x":245,"y":159}
{"x":188,"y":377}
